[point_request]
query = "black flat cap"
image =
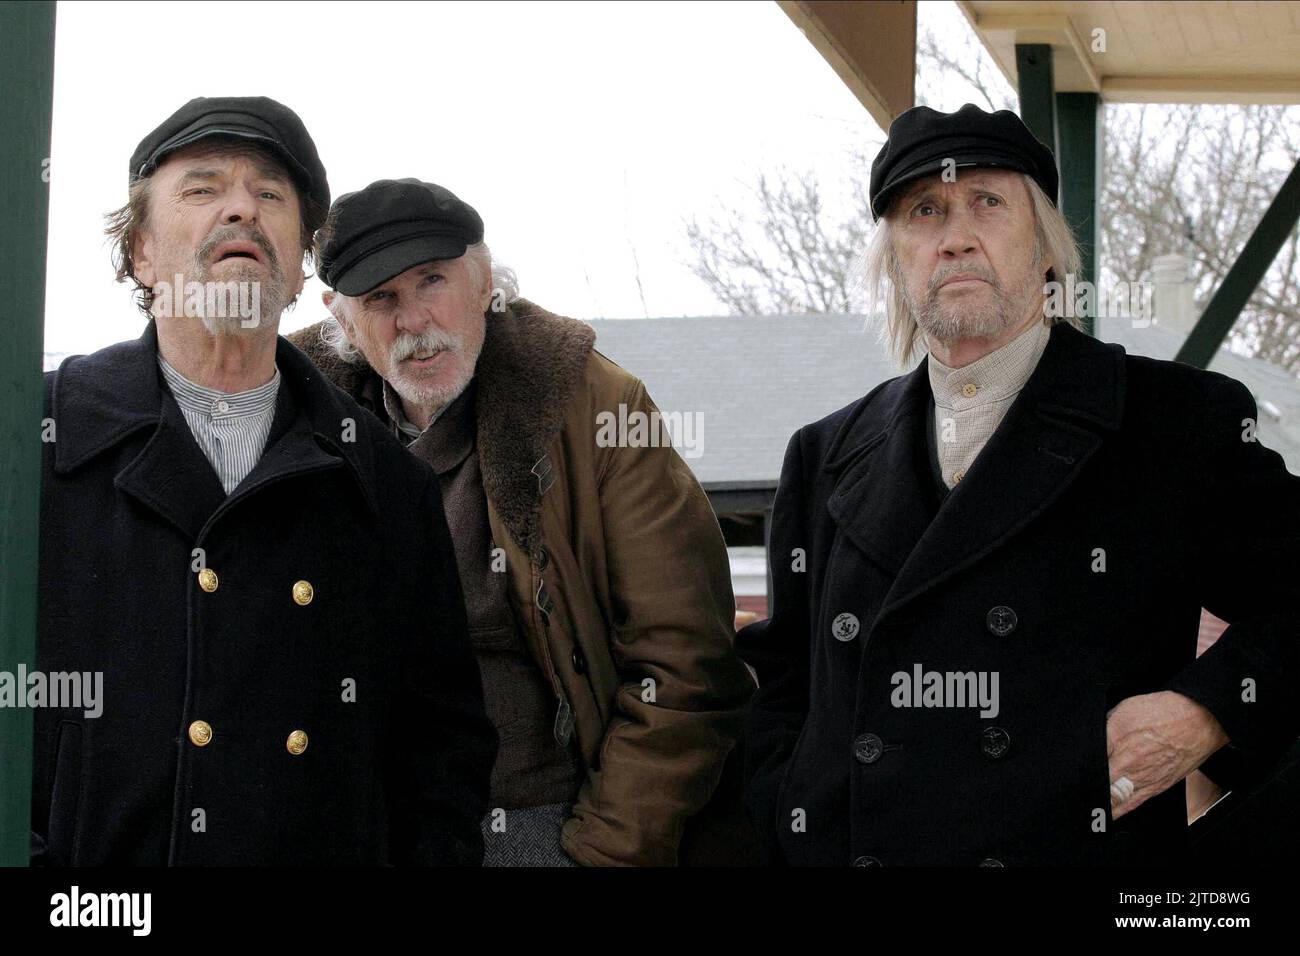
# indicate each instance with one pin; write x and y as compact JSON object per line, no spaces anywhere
{"x":390,"y":226}
{"x":920,"y":139}
{"x":258,"y":119}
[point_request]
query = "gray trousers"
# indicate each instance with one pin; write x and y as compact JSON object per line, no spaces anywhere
{"x":528,"y":836}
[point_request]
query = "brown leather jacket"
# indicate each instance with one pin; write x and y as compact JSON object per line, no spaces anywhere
{"x":618,"y":577}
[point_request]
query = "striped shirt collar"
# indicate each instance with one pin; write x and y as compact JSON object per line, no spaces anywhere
{"x":218,"y":405}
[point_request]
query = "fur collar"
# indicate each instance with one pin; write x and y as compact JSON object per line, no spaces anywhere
{"x":531,"y":364}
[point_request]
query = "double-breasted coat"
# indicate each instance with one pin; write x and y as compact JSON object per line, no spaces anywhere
{"x":287,"y":677}
{"x":1118,"y":497}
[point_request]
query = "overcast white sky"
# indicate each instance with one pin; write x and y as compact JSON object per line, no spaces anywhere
{"x":583,"y":133}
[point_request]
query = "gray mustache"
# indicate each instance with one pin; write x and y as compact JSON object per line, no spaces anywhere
{"x":434,"y":340}
{"x":943,"y":275}
{"x":254,"y":236}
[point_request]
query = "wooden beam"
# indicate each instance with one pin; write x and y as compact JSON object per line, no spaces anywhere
{"x":1264,"y":89}
{"x":871,"y":46}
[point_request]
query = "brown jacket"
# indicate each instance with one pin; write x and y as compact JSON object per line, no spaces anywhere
{"x":618,"y":577}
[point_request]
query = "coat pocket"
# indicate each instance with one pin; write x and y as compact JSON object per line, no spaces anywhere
{"x":65,"y":796}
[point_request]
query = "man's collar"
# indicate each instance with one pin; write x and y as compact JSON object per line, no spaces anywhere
{"x":994,"y":377}
{"x":450,"y":437}
{"x":332,"y":415}
{"x":397,"y":413}
{"x":1077,"y":377}
{"x":101,"y":399}
{"x":216,"y":404}
{"x":881,"y":497}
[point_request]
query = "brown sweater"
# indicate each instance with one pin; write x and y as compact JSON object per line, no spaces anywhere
{"x":531,"y":769}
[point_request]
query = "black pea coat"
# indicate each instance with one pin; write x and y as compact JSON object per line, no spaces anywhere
{"x":1117,"y":498}
{"x":375,"y":669}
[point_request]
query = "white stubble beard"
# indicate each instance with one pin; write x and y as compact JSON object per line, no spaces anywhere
{"x":954,"y":323}
{"x":273,"y":292}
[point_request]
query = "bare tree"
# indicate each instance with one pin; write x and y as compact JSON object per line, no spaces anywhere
{"x":785,"y":252}
{"x":1188,"y":179}
{"x":790,"y":257}
{"x":939,"y":62}
{"x":1196,"y":180}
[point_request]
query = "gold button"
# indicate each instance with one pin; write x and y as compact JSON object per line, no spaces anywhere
{"x":297,"y":742}
{"x":303,"y":593}
{"x":208,"y":580}
{"x":957,"y":476}
{"x":200,"y":733}
{"x":969,"y":389}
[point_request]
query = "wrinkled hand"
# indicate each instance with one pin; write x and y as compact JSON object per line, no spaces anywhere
{"x":1155,"y":740}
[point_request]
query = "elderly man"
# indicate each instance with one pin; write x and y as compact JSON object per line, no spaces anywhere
{"x":597,"y":582}
{"x":989,"y":572}
{"x":263,"y":576}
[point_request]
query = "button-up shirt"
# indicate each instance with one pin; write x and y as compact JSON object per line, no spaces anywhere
{"x":970,"y":402}
{"x":230,"y":427}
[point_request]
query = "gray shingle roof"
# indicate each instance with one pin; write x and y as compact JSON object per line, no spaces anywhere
{"x":755,"y":380}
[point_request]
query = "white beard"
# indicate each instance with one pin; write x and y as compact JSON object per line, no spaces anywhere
{"x":952,"y":323}
{"x":424,"y":394}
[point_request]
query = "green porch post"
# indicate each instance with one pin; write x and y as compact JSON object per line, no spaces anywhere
{"x":1235,"y":290}
{"x":26,"y":106}
{"x":1036,"y":88}
{"x":1079,"y":127}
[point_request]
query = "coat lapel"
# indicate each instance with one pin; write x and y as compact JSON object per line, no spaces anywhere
{"x":171,"y":476}
{"x":307,"y":435}
{"x":291,"y":449}
{"x":1054,"y":427}
{"x":531,"y":365}
{"x":883,"y":498}
{"x":100,"y":400}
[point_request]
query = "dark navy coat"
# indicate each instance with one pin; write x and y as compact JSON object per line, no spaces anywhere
{"x":1146,"y":464}
{"x":345,"y":721}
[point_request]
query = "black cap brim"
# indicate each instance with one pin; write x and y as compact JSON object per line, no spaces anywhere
{"x":376,"y":268}
{"x":933,"y":165}
{"x":202,"y":130}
